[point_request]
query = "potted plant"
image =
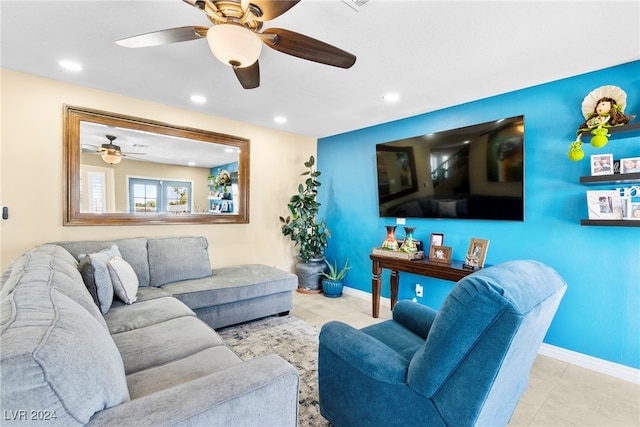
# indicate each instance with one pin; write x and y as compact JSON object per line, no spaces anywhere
{"x":304,"y":229}
{"x":332,"y":283}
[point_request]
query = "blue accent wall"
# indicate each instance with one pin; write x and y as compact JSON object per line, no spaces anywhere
{"x":600,"y":314}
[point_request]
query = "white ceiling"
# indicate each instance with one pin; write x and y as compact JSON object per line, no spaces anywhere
{"x":435,"y":54}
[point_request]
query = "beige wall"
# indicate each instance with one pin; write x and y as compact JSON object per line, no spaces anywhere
{"x":31,"y":173}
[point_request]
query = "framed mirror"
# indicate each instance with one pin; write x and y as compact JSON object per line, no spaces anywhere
{"x":122,"y":170}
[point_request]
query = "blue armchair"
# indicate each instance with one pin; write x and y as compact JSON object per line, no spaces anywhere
{"x":465,"y":365}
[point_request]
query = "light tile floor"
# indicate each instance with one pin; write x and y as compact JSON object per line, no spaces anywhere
{"x":559,"y":394}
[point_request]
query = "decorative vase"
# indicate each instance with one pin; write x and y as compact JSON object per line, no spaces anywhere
{"x":390,"y":243}
{"x":409,"y":244}
{"x":310,"y":275}
{"x":332,"y":288}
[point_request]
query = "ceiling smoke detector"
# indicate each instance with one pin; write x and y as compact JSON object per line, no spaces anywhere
{"x":358,"y":4}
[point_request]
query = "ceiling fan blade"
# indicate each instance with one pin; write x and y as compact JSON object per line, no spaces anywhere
{"x":308,"y":48}
{"x":249,"y":77}
{"x":172,"y":35}
{"x":272,"y":9}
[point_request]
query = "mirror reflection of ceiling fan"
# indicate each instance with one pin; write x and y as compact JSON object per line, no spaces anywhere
{"x":110,"y":152}
{"x":236,"y":40}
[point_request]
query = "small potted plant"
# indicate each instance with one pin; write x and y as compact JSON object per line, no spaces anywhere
{"x":332,"y":283}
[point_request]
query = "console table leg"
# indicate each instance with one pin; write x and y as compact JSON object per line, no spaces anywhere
{"x":394,"y":287}
{"x":375,"y":289}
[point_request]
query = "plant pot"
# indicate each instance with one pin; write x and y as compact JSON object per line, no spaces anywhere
{"x":332,"y":288}
{"x":309,"y":275}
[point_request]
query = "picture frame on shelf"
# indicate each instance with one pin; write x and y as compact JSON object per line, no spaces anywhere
{"x":631,"y":208}
{"x":601,"y":164}
{"x":630,"y":165}
{"x":477,"y":253}
{"x":437,"y":239}
{"x":616,"y":166}
{"x":440,"y":254}
{"x":604,"y":204}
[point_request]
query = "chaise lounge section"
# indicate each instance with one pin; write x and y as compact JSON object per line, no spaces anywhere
{"x":180,"y":267}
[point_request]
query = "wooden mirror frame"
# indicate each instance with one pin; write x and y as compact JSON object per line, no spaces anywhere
{"x":73,"y":116}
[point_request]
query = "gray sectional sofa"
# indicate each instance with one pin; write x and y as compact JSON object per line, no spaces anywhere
{"x":69,"y":357}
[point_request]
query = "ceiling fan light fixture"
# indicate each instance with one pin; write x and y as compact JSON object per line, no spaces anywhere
{"x":110,"y":158}
{"x":234,"y":45}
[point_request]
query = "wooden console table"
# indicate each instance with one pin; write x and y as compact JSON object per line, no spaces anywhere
{"x":422,"y":267}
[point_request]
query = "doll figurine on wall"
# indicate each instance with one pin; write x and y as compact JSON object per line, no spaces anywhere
{"x":602,"y":108}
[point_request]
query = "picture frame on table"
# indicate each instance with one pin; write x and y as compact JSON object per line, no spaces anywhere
{"x":440,"y":254}
{"x":437,"y":239}
{"x":630,"y":165}
{"x":477,"y":253}
{"x":601,"y":164}
{"x":604,"y":204}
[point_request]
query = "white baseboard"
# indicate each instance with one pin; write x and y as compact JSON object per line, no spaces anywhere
{"x":364,"y":295}
{"x":592,"y":363}
{"x":602,"y":366}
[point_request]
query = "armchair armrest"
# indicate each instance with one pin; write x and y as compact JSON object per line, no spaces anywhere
{"x":363,"y":352}
{"x":261,"y":391}
{"x":414,"y":316}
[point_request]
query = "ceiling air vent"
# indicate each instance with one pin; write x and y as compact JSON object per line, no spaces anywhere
{"x":358,"y":4}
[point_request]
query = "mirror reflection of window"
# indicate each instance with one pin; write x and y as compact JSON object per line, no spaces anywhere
{"x":145,"y":195}
{"x":177,"y":197}
{"x":97,"y":193}
{"x":152,"y":196}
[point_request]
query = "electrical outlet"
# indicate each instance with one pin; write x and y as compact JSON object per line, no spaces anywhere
{"x":419,"y":290}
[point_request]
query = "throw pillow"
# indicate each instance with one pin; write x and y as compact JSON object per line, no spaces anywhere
{"x":448,"y":209}
{"x":124,"y":279}
{"x":88,"y":273}
{"x":101,"y":275}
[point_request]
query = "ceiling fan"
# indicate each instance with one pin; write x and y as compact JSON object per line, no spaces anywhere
{"x":236,"y":38}
{"x":112,"y":153}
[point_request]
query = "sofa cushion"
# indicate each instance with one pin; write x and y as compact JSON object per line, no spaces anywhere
{"x":148,"y":293}
{"x":133,"y":250}
{"x":52,"y":266}
{"x":122,"y":318}
{"x":232,"y":284}
{"x":180,"y":371}
{"x":164,"y":342}
{"x":101,"y":277}
{"x":178,"y":258}
{"x":56,"y":357}
{"x":124,"y":280}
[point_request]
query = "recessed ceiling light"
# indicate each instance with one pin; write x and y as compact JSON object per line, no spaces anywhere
{"x":198,"y":99}
{"x":280,"y":119}
{"x":391,"y":97}
{"x":192,"y":163}
{"x":70,"y":65}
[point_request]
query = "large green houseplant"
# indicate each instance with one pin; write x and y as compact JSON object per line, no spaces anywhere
{"x":303,"y":227}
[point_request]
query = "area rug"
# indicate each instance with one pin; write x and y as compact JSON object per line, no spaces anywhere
{"x":292,"y":339}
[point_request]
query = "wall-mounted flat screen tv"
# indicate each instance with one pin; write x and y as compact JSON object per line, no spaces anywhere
{"x":473,"y":172}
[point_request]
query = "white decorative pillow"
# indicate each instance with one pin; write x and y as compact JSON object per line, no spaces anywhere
{"x":124,"y":279}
